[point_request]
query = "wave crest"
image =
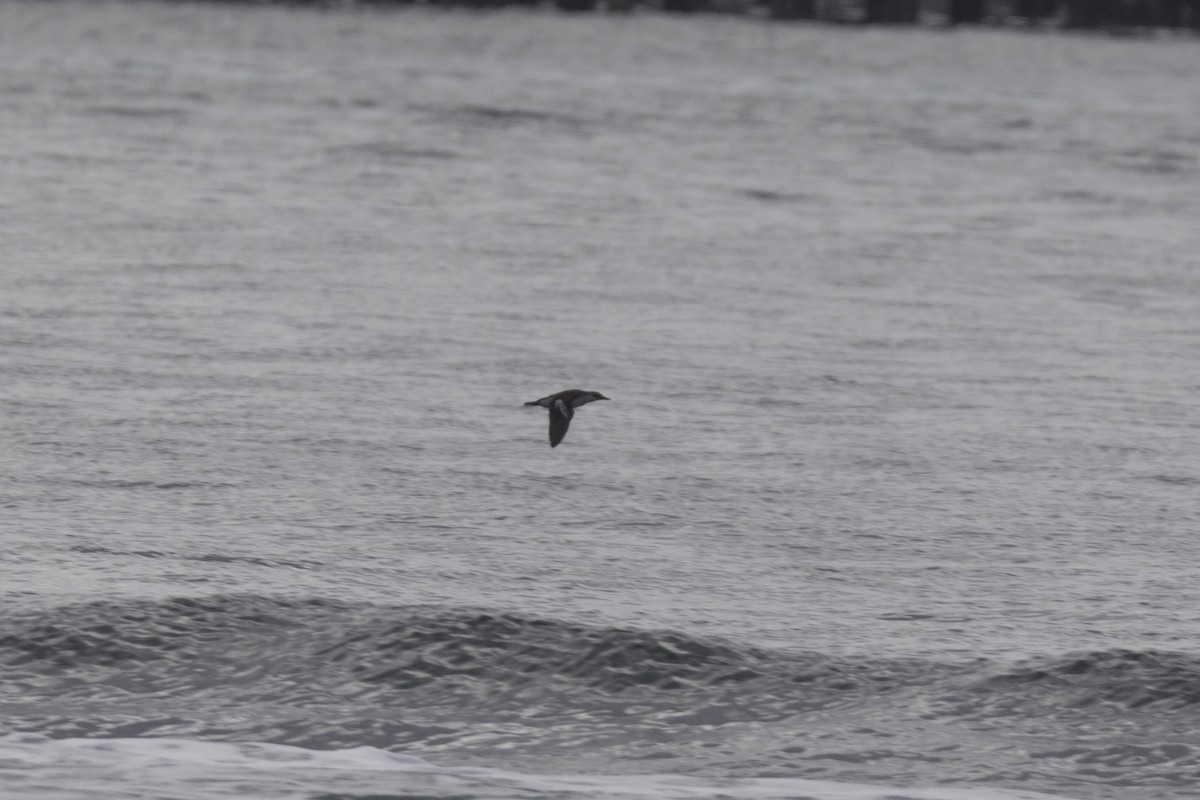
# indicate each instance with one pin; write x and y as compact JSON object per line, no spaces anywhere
{"x":1129,"y":678}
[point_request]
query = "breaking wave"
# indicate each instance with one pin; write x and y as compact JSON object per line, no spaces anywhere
{"x":247,"y":640}
{"x":471,"y":683}
{"x":425,"y":655}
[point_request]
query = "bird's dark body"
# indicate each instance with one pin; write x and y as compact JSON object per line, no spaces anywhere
{"x":562,"y":409}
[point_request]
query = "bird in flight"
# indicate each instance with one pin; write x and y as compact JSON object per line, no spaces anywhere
{"x":562,"y":408}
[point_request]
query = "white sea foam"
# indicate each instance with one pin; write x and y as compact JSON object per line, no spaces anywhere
{"x":35,"y":767}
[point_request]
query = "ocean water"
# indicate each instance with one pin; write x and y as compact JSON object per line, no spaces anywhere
{"x":897,"y":496}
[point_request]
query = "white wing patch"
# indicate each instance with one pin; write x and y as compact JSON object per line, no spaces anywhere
{"x":561,"y":407}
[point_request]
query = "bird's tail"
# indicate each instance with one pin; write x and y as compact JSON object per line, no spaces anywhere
{"x":532,"y":403}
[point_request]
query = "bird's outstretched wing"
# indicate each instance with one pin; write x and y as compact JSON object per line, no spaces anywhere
{"x":560,"y":420}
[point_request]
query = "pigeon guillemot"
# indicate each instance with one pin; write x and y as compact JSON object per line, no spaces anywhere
{"x":562,"y":408}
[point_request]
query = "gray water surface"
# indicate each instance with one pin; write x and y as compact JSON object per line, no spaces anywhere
{"x":900,"y":327}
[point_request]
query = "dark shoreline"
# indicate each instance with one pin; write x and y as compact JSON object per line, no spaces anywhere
{"x":1115,"y":17}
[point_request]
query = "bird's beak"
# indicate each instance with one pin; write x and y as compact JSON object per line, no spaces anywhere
{"x":602,"y":397}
